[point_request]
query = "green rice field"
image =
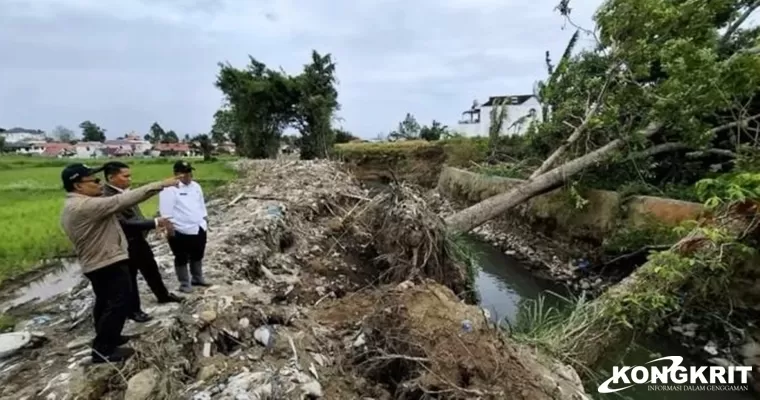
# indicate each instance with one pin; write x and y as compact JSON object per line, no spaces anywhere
{"x":31,"y":197}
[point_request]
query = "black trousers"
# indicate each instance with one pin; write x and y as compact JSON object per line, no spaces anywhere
{"x":188,"y":248}
{"x":141,"y":259}
{"x":112,"y":287}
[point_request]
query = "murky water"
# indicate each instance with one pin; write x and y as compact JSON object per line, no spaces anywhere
{"x":57,"y":281}
{"x":505,"y":286}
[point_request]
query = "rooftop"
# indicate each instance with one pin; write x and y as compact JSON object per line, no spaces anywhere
{"x":514,"y":100}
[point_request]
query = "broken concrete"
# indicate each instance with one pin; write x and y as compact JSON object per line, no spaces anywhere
{"x":317,"y":286}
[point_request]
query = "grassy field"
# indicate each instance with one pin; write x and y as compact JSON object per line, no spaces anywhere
{"x":31,"y":197}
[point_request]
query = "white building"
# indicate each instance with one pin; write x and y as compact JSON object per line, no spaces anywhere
{"x":89,"y":149}
{"x":35,"y":147}
{"x":17,"y":135}
{"x":131,"y":145}
{"x":521,"y":111}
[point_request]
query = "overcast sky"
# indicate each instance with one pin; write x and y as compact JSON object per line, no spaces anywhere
{"x":126,"y":63}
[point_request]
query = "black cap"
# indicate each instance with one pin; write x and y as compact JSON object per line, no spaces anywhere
{"x":182,"y":166}
{"x":75,"y":172}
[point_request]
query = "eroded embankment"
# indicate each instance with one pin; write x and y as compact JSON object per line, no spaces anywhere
{"x":320,"y":291}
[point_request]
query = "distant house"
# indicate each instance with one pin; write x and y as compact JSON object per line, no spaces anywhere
{"x":25,"y":147}
{"x":113,"y":151}
{"x":89,"y":149}
{"x":19,"y":135}
{"x":60,"y":150}
{"x":226,"y":147}
{"x":130,"y":145}
{"x":521,"y":111}
{"x":173,"y":149}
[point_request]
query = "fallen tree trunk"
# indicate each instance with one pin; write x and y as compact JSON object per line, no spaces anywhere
{"x":643,"y":299}
{"x":478,"y":214}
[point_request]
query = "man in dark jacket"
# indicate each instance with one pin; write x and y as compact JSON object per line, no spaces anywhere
{"x":136,"y":226}
{"x":90,"y":222}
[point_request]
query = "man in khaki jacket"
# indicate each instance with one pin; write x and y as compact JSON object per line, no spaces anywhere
{"x":91,"y":224}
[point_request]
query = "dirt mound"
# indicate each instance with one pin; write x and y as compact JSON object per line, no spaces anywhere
{"x":418,"y":340}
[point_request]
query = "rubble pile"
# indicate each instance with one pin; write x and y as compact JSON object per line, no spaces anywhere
{"x":306,"y":303}
{"x":418,"y":339}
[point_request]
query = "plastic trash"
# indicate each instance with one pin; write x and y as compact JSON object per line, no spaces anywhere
{"x":275,"y":211}
{"x":12,"y":342}
{"x":264,"y":335}
{"x":40,"y":320}
{"x":583,"y":263}
{"x":467,"y":325}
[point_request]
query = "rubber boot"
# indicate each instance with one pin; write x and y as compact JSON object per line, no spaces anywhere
{"x":183,"y":275}
{"x":196,"y":270}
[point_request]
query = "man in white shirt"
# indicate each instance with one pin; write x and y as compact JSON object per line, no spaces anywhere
{"x":185,"y":207}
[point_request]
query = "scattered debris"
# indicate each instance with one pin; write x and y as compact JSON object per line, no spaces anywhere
{"x":141,"y":385}
{"x":12,"y":342}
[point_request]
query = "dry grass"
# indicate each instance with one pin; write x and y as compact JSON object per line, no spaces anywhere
{"x":385,"y":147}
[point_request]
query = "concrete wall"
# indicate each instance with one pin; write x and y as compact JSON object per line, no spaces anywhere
{"x":600,"y":217}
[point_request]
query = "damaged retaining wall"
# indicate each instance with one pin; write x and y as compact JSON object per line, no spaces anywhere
{"x":419,"y":162}
{"x":605,"y":212}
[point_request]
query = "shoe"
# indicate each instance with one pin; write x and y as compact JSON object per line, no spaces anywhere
{"x":203,"y":283}
{"x":170,"y":298}
{"x":124,"y":339}
{"x":119,"y":354}
{"x":140,"y":317}
{"x":185,"y":289}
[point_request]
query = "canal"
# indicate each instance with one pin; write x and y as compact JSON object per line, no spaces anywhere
{"x":507,"y":288}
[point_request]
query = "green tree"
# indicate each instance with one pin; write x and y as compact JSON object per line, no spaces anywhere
{"x":661,"y":73}
{"x":317,"y":102}
{"x":157,"y":134}
{"x":344,"y":136}
{"x":63,"y":134}
{"x":170,"y":137}
{"x":2,"y":144}
{"x":225,"y":128}
{"x":434,"y":132}
{"x":262,"y":103}
{"x":92,"y":132}
{"x":203,"y":143}
{"x":408,"y":129}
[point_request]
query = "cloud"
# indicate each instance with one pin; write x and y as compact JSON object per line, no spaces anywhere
{"x":127,"y":63}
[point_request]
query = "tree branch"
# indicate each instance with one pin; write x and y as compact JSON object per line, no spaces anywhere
{"x":676,"y":146}
{"x":658,"y":149}
{"x":717,"y":152}
{"x":736,"y":24}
